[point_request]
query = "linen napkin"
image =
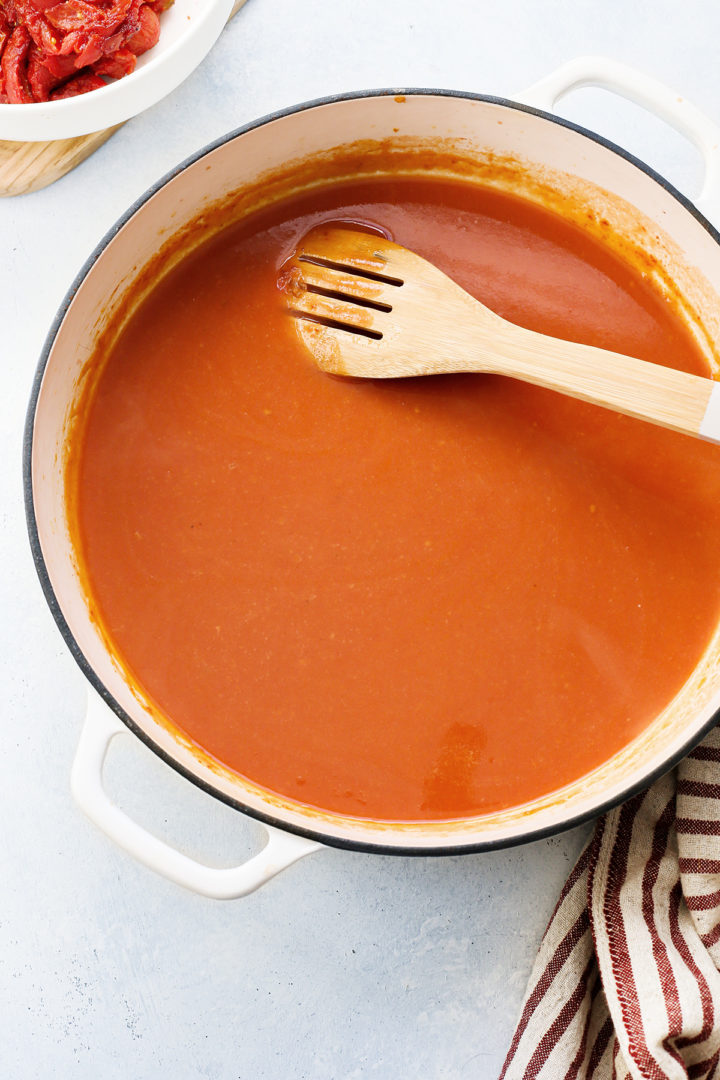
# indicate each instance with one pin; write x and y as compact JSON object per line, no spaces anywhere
{"x":626,"y":985}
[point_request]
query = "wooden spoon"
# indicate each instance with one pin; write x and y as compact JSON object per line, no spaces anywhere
{"x":369,"y":308}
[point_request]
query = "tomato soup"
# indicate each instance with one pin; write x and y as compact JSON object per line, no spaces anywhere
{"x":408,"y":600}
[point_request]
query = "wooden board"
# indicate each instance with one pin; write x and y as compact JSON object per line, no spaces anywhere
{"x":29,"y":166}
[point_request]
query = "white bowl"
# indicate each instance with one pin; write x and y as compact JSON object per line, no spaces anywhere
{"x":188,"y":30}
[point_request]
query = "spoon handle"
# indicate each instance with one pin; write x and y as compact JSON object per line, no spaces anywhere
{"x":664,"y":396}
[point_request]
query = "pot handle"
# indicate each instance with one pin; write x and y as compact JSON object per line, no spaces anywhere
{"x":651,"y":95}
{"x":100,"y":728}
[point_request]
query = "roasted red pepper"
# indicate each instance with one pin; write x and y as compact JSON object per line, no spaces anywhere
{"x":51,"y":50}
{"x":14,"y":66}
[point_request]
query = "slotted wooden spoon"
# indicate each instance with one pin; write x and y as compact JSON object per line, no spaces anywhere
{"x":369,"y":308}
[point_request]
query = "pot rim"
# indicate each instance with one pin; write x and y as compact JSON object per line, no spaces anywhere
{"x":446,"y":848}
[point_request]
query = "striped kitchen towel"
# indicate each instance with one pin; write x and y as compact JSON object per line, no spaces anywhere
{"x":627,"y":980}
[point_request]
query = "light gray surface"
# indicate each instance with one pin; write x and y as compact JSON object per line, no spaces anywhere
{"x":347,"y":965}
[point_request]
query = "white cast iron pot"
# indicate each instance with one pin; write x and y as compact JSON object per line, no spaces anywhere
{"x":638,"y":204}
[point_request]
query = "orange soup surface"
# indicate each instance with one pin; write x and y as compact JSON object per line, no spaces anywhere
{"x":404,"y":600}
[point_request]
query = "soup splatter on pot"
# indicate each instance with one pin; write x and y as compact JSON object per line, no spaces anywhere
{"x":412,"y":600}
